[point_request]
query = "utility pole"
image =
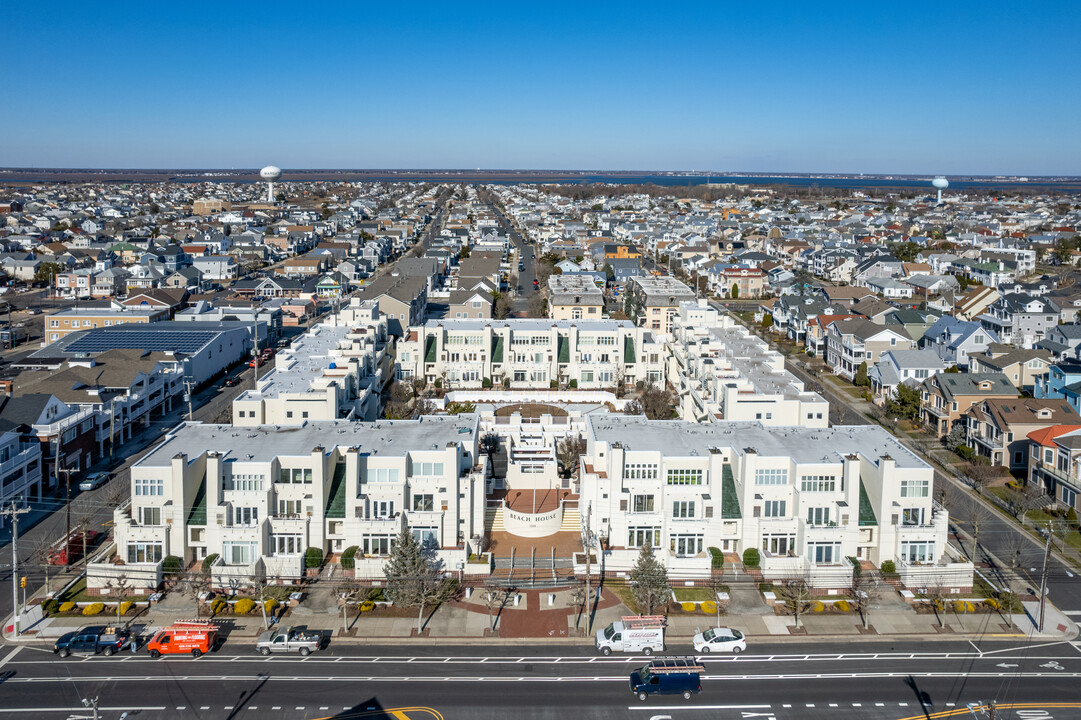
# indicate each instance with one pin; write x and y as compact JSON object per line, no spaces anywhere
{"x":1043,"y":577}
{"x":112,"y":426}
{"x":188,"y":392}
{"x":588,"y":538}
{"x":14,"y":511}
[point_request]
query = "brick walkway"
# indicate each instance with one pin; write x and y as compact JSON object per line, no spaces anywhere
{"x":534,"y":618}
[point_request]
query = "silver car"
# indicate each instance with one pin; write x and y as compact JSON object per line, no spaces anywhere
{"x":93,"y":482}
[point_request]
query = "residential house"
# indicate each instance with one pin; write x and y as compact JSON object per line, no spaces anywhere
{"x":854,"y":342}
{"x":998,"y":429}
{"x":1054,"y":463}
{"x":945,"y":397}
{"x":1020,"y":320}
{"x":1023,"y":367}
{"x":911,"y":367}
{"x":574,"y":297}
{"x":64,"y":322}
{"x":955,"y":340}
{"x":654,"y":301}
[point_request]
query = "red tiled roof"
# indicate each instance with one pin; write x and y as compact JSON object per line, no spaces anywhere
{"x":1046,"y":436}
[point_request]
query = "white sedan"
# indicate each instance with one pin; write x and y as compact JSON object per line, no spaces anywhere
{"x":720,"y":640}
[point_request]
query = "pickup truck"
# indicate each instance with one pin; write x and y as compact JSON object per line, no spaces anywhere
{"x":289,"y":640}
{"x":90,"y":641}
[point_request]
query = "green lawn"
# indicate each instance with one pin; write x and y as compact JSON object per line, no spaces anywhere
{"x":694,"y":594}
{"x":625,"y":595}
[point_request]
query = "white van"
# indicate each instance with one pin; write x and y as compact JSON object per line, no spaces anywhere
{"x":635,"y":633}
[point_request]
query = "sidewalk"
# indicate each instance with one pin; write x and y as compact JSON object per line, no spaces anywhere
{"x":547,"y":617}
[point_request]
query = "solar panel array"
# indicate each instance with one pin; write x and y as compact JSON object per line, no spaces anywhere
{"x":184,"y":341}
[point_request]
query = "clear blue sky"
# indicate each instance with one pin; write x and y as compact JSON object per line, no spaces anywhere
{"x":946,"y":87}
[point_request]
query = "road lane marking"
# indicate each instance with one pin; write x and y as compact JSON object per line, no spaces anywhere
{"x":10,"y":655}
{"x":82,"y":708}
{"x":701,"y":707}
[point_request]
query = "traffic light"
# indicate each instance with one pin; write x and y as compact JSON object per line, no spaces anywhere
{"x":22,"y":581}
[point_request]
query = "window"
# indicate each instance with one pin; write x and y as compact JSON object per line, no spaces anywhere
{"x":683,"y":509}
{"x":817,"y":483}
{"x":245,"y":516}
{"x":779,"y":544}
{"x":295,"y":476}
{"x":1048,"y":455}
{"x":148,"y":552}
{"x":685,"y":545}
{"x":824,"y":553}
{"x":771,"y":476}
{"x":382,"y":508}
{"x":684,"y":476}
{"x":377,"y":544}
{"x":149,"y":487}
{"x":640,"y":471}
{"x":913,"y":516}
{"x":639,"y":536}
{"x":286,"y":544}
{"x":383,"y":475}
{"x":587,"y":376}
{"x":915,"y":488}
{"x":426,"y":536}
{"x":246,"y":482}
{"x":1063,"y":462}
{"x":775,"y":508}
{"x":423,"y":503}
{"x":150,"y":516}
{"x":238,"y":553}
{"x":918,"y":552}
{"x":1069,"y":497}
{"x":818,"y":516}
{"x":428,"y":469}
{"x":643,"y":503}
{"x":288,"y":507}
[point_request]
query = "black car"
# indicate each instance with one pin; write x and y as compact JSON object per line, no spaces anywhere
{"x":232,"y":382}
{"x":521,"y":267}
{"x":91,"y":641}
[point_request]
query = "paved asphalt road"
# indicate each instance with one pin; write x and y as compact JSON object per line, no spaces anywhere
{"x":525,"y":252}
{"x":868,"y":680}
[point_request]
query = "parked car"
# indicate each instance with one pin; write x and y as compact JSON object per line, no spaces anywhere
{"x":720,"y":640}
{"x":91,"y":641}
{"x":93,"y":482}
{"x":232,"y":382}
{"x":185,"y":636}
{"x":289,"y":640}
{"x":668,"y":676}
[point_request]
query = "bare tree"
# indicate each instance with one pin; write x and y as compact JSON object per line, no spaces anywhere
{"x":795,"y":593}
{"x":633,"y":407}
{"x":865,"y":588}
{"x":978,"y":475}
{"x":191,"y":584}
{"x":656,"y":403}
{"x":577,"y":600}
{"x":43,"y":554}
{"x":83,"y":517}
{"x":496,"y":596}
{"x":117,"y":589}
{"x":936,"y":594}
{"x":348,"y":591}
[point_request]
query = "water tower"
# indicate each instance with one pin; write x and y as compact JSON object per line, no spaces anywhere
{"x":271,"y":173}
{"x":939,"y":182}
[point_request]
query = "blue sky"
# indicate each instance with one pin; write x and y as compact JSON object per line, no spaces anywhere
{"x":947,"y":87}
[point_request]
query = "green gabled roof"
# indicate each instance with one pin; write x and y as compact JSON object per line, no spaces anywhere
{"x":729,"y":496}
{"x":628,"y":350}
{"x":497,"y":349}
{"x":336,"y":501}
{"x":429,"y":349}
{"x":564,"y":349}
{"x":867,"y":513}
{"x":197,"y":516}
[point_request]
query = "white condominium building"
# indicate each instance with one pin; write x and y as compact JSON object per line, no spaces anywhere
{"x":336,"y":370}
{"x":259,"y":497}
{"x":531,"y":354}
{"x":807,"y":499}
{"x":723,"y":371}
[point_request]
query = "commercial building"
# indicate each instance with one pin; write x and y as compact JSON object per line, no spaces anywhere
{"x":64,"y":322}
